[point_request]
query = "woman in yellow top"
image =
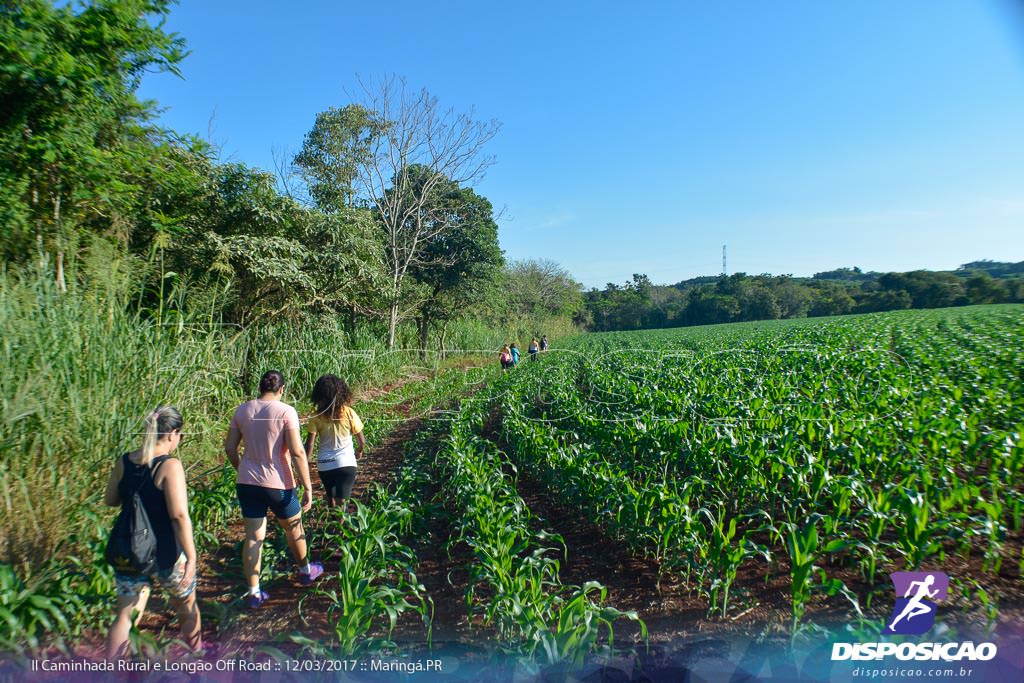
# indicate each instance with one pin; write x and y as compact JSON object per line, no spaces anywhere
{"x":336,"y":424}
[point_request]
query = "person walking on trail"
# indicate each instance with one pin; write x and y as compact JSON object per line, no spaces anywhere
{"x":505,"y":357}
{"x":514,"y":350}
{"x":533,"y":349}
{"x":336,"y":425}
{"x":159,"y":479}
{"x":544,"y":343}
{"x":269,"y":428}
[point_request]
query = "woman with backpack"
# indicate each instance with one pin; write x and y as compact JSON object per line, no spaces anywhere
{"x":336,"y":425}
{"x":159,"y":480}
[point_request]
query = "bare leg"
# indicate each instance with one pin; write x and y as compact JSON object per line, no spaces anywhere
{"x":117,"y":639}
{"x":190,"y":621}
{"x":252,"y":550}
{"x":918,"y":611}
{"x":296,"y":537}
{"x":910,"y":611}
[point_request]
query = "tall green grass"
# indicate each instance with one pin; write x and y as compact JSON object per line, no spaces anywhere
{"x":81,"y":368}
{"x":79,"y":372}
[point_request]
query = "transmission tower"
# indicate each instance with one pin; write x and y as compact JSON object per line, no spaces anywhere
{"x":724,"y":271}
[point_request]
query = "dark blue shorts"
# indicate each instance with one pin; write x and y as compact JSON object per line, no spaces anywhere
{"x":256,"y":499}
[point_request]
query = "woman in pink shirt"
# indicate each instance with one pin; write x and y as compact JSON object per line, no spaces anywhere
{"x":269,"y":428}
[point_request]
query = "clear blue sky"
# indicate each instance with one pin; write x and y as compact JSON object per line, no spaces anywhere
{"x":641,"y":137}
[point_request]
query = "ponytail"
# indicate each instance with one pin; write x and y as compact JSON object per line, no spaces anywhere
{"x":150,"y":437}
{"x":159,"y":422}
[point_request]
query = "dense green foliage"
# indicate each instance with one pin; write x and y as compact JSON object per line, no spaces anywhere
{"x":639,"y":304}
{"x":88,"y":175}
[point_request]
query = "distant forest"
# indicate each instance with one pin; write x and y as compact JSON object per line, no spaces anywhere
{"x":640,"y":304}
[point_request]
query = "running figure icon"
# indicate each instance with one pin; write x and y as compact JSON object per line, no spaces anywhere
{"x":914,"y":611}
{"x":915,"y":607}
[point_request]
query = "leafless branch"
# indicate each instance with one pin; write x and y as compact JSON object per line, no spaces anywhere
{"x":416,"y":132}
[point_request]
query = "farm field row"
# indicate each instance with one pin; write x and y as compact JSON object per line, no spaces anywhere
{"x":840,"y":449}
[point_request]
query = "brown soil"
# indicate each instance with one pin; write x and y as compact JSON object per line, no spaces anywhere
{"x":231,"y":627}
{"x":759,"y":600}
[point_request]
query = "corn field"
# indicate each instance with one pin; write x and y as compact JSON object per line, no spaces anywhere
{"x":833,"y":451}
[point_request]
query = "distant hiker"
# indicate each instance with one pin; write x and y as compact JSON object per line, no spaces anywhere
{"x":514,"y":350}
{"x":269,"y":428}
{"x":543,"y":343}
{"x":505,"y":357}
{"x":335,"y":423}
{"x":159,"y":479}
{"x":533,"y":349}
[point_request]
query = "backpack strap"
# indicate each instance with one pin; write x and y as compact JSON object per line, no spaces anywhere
{"x":128,"y":466}
{"x":154,"y":467}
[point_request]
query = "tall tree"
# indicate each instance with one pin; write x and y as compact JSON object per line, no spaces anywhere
{"x":542,"y":287}
{"x":332,"y":152}
{"x":446,"y":146}
{"x":457,"y":263}
{"x":278,"y":256}
{"x":68,"y":81}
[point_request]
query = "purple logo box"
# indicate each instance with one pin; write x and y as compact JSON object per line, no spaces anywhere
{"x":916,"y":595}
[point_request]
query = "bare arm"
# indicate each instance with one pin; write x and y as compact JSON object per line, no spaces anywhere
{"x":176,"y":497}
{"x":112,"y":496}
{"x":310,"y":442}
{"x":360,"y":444}
{"x":231,"y":442}
{"x":299,"y":460}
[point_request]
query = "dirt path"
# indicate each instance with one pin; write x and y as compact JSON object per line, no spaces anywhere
{"x":231,"y":627}
{"x":671,"y":613}
{"x":632,"y":582}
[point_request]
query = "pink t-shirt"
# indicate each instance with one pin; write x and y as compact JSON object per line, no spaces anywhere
{"x":263,"y":426}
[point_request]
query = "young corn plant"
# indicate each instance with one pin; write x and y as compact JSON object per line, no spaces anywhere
{"x":722,"y":557}
{"x":993,"y":531}
{"x":806,"y":577}
{"x":919,"y":536}
{"x":375,"y":578}
{"x":28,"y":613}
{"x":579,"y":625}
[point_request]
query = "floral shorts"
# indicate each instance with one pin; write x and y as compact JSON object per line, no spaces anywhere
{"x":129,"y":585}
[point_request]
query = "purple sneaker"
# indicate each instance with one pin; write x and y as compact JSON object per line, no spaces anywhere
{"x":315,"y":570}
{"x":256,"y":601}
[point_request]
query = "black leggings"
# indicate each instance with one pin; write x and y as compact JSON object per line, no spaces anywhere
{"x":338,"y":482}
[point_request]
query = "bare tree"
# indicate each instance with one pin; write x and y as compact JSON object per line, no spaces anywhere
{"x":542,"y":287}
{"x":419,"y":146}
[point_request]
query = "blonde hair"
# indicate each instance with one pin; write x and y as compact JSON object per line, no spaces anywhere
{"x":163,"y":420}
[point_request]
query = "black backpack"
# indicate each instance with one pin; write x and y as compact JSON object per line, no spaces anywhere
{"x":132,"y":545}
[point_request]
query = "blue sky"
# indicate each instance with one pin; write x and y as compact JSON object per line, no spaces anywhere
{"x":641,"y":137}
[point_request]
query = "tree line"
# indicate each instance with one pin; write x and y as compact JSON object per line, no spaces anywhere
{"x":640,"y":304}
{"x":374,"y":221}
